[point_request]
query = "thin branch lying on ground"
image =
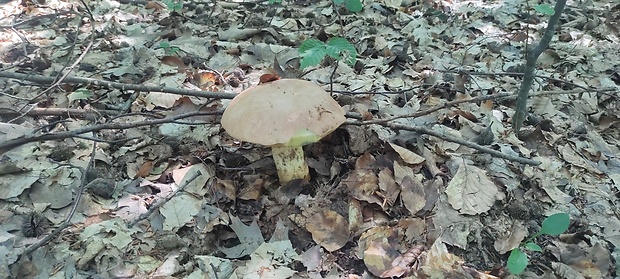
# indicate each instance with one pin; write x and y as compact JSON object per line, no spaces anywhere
{"x":480,"y":148}
{"x":515,"y":74}
{"x":61,"y":76}
{"x":10,"y":144}
{"x":77,"y":113}
{"x":76,"y":201}
{"x":158,"y":204}
{"x":118,"y":85}
{"x":502,"y":96}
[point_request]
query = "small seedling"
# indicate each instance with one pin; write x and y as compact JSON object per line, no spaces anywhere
{"x":313,"y":51}
{"x":174,"y":6}
{"x":552,"y":225}
{"x":168,"y":49}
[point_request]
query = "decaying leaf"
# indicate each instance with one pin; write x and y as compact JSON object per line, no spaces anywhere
{"x":179,"y":210}
{"x":471,"y":191}
{"x":249,"y":236}
{"x":407,"y":155}
{"x":412,"y":194}
{"x":329,"y":229}
{"x":379,"y":249}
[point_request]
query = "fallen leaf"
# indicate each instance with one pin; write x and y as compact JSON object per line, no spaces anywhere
{"x":249,"y":236}
{"x":412,"y":193}
{"x":407,"y":155}
{"x":471,"y":191}
{"x":329,"y":229}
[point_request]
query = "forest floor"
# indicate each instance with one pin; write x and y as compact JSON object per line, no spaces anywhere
{"x":113,"y":162}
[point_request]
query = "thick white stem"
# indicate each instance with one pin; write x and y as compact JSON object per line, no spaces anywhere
{"x":290,"y":163}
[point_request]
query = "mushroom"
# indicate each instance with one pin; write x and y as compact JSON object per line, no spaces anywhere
{"x":285,"y":115}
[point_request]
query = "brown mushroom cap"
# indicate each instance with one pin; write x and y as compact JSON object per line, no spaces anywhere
{"x":286,"y":112}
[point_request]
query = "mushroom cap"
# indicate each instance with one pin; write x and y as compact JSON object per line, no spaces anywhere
{"x":286,"y":112}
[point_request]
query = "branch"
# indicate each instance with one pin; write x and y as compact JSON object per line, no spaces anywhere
{"x":118,"y":85}
{"x":159,"y":203}
{"x":480,"y":148}
{"x":530,"y":65}
{"x":10,"y":144}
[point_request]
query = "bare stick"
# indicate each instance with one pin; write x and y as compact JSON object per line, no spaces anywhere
{"x":426,"y":131}
{"x":159,"y":203}
{"x":10,"y":144}
{"x":118,"y":85}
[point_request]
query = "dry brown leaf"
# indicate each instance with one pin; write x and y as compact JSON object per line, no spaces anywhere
{"x":389,"y":188}
{"x":412,"y":193}
{"x":356,"y":218}
{"x":379,"y":247}
{"x":506,"y":243}
{"x":329,"y":229}
{"x":407,"y":155}
{"x":144,"y":170}
{"x":404,"y":262}
{"x":252,"y":191}
{"x":173,"y":61}
{"x":363,"y":182}
{"x":400,"y":172}
{"x":471,"y":191}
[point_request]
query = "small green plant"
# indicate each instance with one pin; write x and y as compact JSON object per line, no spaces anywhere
{"x":544,"y":9}
{"x":351,"y":5}
{"x":313,"y":51}
{"x":168,"y":49}
{"x":173,"y":5}
{"x":552,"y":225}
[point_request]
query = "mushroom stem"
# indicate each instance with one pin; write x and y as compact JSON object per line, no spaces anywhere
{"x":290,"y":163}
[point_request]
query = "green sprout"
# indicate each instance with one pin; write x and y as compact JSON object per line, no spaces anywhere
{"x":168,"y":49}
{"x":313,"y":51}
{"x":552,"y":225}
{"x":173,"y":5}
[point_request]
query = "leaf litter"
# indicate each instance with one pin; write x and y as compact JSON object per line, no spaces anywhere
{"x":184,"y":200}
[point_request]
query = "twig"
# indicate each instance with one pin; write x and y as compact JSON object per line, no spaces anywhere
{"x":118,"y":85}
{"x":69,"y":69}
{"x":159,"y":203}
{"x":426,"y":131}
{"x":67,"y":220}
{"x":10,"y":144}
{"x":478,"y":99}
{"x":79,"y":113}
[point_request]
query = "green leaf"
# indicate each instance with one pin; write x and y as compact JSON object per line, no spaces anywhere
{"x":338,"y":2}
{"x":544,"y":9}
{"x":80,"y":94}
{"x":353,"y":5}
{"x":312,"y":52}
{"x":533,"y":247}
{"x":517,"y":261}
{"x":555,"y":224}
{"x":275,"y":2}
{"x":164,"y":44}
{"x":310,"y":44}
{"x":339,"y":48}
